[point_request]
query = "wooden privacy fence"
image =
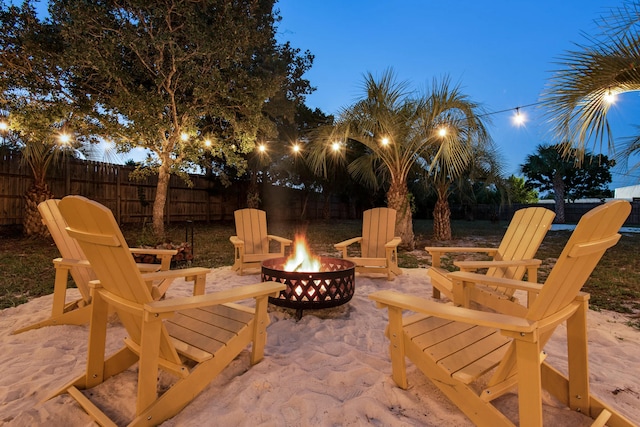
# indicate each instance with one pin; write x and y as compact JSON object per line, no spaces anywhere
{"x":109,"y":184}
{"x":131,"y":200}
{"x":207,"y":200}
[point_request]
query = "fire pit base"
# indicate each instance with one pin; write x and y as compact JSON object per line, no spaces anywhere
{"x":332,"y":286}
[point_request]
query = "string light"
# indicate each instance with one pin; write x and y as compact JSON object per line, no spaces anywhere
{"x":262,"y":148}
{"x":64,"y":138}
{"x":184,"y":136}
{"x":518,"y":118}
{"x":385,"y":141}
{"x":335,"y":146}
{"x":609,"y":97}
{"x":442,"y":131}
{"x":296,"y":148}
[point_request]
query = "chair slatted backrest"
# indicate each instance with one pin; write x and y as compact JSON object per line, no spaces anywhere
{"x":378,"y":228}
{"x":67,"y":246}
{"x":251,"y":228}
{"x":522,"y":239}
{"x":99,"y":236}
{"x":595,"y":233}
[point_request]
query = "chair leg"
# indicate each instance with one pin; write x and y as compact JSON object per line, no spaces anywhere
{"x":148,"y":366}
{"x":396,"y":347}
{"x":261,"y":321}
{"x":97,"y":340}
{"x":529,"y":382}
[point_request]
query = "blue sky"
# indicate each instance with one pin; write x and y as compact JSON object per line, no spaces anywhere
{"x":500,"y":52}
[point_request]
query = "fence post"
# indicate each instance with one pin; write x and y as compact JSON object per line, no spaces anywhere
{"x":118,"y":194}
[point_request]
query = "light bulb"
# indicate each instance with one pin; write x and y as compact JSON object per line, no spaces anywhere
{"x":518,"y":118}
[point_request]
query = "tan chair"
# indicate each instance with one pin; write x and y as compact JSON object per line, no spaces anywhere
{"x":455,"y":346}
{"x":192,"y":338}
{"x":251,"y":242}
{"x":378,"y":244}
{"x":511,"y":259}
{"x":74,"y":263}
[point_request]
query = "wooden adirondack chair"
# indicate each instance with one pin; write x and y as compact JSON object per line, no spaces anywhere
{"x":73,"y":262}
{"x":378,"y":245}
{"x":511,"y":259}
{"x":208,"y":331}
{"x":251,"y":242}
{"x":454,"y":346}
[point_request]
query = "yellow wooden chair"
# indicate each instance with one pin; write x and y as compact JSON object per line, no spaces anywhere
{"x":510,"y":260}
{"x":251,"y":242}
{"x":455,"y":346}
{"x":73,"y":262}
{"x":378,"y":244}
{"x":193,"y":338}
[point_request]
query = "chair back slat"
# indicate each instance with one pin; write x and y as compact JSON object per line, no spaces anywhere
{"x":251,"y":227}
{"x":522,"y":239}
{"x":378,"y":228}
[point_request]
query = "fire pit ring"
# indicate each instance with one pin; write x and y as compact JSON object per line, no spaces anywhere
{"x":332,"y":286}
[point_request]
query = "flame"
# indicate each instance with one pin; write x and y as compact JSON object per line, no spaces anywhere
{"x":301,"y":259}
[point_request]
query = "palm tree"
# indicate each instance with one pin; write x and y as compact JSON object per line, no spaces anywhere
{"x":481,"y":165}
{"x":462,"y":145}
{"x":578,"y":96}
{"x":395,"y":129}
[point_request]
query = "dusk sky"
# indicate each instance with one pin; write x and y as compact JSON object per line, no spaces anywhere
{"x":502,"y":54}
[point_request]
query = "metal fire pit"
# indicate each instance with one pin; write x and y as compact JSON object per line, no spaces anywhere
{"x":332,"y":286}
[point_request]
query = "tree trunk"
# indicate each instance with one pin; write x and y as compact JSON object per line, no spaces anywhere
{"x":32,"y":222}
{"x":442,"y":219}
{"x":160,"y":201}
{"x":326,"y":205}
{"x":398,"y":199}
{"x":558,"y":195}
{"x":253,"y":193}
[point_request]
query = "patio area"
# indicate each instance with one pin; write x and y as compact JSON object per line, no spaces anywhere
{"x":330,"y":368}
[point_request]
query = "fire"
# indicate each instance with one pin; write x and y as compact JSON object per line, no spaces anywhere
{"x":301,"y":259}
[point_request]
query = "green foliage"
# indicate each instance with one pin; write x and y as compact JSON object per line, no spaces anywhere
{"x":567,"y":175}
{"x":576,"y":98}
{"x":162,"y":76}
{"x":519,"y":192}
{"x":35,"y":89}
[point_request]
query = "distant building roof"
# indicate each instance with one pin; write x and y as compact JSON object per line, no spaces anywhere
{"x":630,"y":192}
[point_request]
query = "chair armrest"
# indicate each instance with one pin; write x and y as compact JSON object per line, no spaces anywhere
{"x":437,"y":251}
{"x":153,"y":251}
{"x":494,"y":281}
{"x":237,"y":242}
{"x":282,"y":240}
{"x":172,"y":274}
{"x":230,"y":295}
{"x":444,"y":311}
{"x":69,"y":262}
{"x":393,"y":243}
{"x":347,"y":242}
{"x":475,"y":265}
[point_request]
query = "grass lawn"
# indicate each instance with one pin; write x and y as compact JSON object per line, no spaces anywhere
{"x":27,"y":271}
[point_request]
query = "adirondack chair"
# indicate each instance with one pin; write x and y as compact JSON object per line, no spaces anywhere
{"x":511,"y":259}
{"x":454,"y":346}
{"x":73,"y":262}
{"x":378,"y":245}
{"x":251,"y":242}
{"x":208,"y":331}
